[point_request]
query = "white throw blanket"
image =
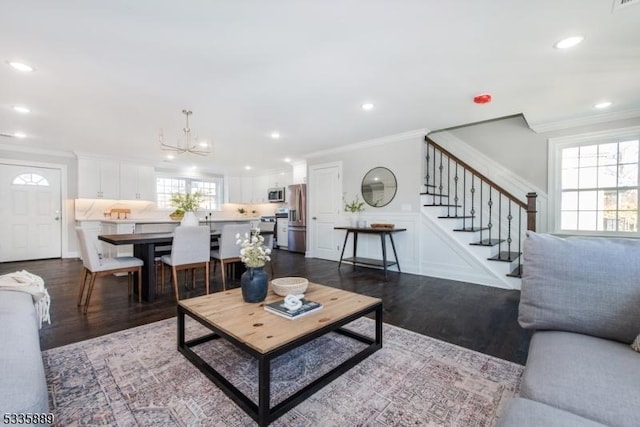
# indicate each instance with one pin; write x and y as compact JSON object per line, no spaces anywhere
{"x":23,"y":281}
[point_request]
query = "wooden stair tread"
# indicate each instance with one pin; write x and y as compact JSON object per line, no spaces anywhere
{"x":443,"y":204}
{"x":434,"y":194}
{"x":487,"y":242}
{"x":517,"y":272}
{"x":456,"y":217}
{"x":505,"y":256}
{"x":470,"y":229}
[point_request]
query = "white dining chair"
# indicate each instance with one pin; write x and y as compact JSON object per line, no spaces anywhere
{"x":96,"y":266}
{"x":228,"y":250}
{"x":268,"y":238}
{"x":190,"y":250}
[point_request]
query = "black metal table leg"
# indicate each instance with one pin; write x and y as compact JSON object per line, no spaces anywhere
{"x":344,"y":245}
{"x":384,"y":254}
{"x":146,"y":252}
{"x":355,"y":247}
{"x":393,"y":246}
{"x":264,"y":390}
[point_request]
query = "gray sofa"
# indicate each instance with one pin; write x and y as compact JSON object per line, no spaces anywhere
{"x":23,"y":388}
{"x":581,"y":295}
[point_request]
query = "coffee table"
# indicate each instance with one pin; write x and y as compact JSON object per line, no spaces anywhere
{"x":266,"y":336}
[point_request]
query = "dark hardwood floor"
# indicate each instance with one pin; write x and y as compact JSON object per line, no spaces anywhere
{"x":473,"y":316}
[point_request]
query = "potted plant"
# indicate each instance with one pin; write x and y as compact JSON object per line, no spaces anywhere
{"x":186,"y":204}
{"x":354,"y":207}
{"x":254,"y":254}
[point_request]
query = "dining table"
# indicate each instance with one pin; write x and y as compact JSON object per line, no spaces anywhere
{"x":145,"y":247}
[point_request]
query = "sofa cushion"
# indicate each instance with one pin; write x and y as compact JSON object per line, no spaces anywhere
{"x":636,"y":344}
{"x":591,"y":377}
{"x":588,"y":285}
{"x":22,"y":380}
{"x":527,"y":413}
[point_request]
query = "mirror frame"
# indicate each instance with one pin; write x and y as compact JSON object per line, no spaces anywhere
{"x":385,"y":202}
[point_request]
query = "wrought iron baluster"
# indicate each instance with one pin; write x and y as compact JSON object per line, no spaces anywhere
{"x":519,"y":271}
{"x":455,"y":200}
{"x":490,"y":224}
{"x":448,"y":186}
{"x":464,"y":198}
{"x":499,"y":222}
{"x":481,"y":209}
{"x":473,"y":206}
{"x":440,"y":168}
{"x":509,"y":239}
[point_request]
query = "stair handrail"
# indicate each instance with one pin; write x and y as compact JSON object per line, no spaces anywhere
{"x":529,"y":206}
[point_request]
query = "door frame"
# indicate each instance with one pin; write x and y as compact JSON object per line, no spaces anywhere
{"x":65,"y":203}
{"x":312,"y":202}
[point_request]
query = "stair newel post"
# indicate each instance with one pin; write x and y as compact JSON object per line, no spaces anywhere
{"x":473,"y":203}
{"x":531,"y":211}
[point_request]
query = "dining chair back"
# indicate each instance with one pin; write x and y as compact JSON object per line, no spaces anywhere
{"x":268,"y":238}
{"x":190,"y":250}
{"x":95,"y":265}
{"x":228,"y":250}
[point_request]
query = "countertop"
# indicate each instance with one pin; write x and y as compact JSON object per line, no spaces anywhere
{"x":165,"y":221}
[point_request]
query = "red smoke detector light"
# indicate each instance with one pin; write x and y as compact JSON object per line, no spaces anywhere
{"x":482,"y":99}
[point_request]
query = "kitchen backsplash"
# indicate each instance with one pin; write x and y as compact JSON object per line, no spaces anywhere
{"x":97,"y":209}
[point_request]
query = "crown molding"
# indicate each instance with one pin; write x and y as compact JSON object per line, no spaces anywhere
{"x":35,"y":150}
{"x":543,"y":127}
{"x":417,"y":133}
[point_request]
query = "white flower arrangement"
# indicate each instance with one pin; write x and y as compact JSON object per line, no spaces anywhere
{"x":253,"y":252}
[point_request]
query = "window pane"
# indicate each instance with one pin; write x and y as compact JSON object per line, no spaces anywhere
{"x":570,"y":158}
{"x":608,"y":200}
{"x":607,"y":176}
{"x":587,"y":220}
{"x":569,"y":220}
{"x":629,"y":152}
{"x":569,"y":201}
{"x":608,"y":154}
{"x":588,"y":178}
{"x":587,"y":201}
{"x":607,"y":220}
{"x":628,"y":200}
{"x":569,"y":178}
{"x":588,"y":156}
{"x":628,"y":221}
{"x":628,"y":175}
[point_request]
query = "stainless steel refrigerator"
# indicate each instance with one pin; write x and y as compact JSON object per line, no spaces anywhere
{"x":297,"y":227}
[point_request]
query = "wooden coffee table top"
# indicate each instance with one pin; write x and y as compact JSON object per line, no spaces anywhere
{"x":264,"y":331}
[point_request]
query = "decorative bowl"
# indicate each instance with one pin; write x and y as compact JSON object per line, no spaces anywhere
{"x":284,"y":286}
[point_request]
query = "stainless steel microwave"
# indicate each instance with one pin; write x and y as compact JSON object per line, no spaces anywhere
{"x":276,"y":195}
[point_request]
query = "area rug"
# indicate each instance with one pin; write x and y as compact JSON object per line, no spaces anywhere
{"x":137,"y":377}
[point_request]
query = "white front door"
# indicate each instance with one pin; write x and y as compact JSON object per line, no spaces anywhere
{"x":30,"y":212}
{"x":325,"y":205}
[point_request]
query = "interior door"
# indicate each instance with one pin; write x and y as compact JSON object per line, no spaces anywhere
{"x":30,"y":212}
{"x":325,"y":203}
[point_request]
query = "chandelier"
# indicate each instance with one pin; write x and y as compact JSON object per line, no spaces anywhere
{"x":188,"y":144}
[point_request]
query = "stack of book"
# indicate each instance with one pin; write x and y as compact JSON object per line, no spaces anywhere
{"x":279,"y":308}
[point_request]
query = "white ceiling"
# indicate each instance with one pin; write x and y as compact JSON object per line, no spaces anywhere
{"x":109,"y":74}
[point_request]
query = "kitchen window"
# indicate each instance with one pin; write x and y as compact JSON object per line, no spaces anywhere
{"x":210,"y":188}
{"x":597,"y":184}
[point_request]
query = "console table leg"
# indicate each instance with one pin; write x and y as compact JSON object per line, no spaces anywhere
{"x":344,"y":245}
{"x":395,"y":255}
{"x":355,"y":247}
{"x":384,"y":254}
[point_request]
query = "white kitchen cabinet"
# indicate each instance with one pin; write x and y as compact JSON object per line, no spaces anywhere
{"x":260,"y":187}
{"x":234,"y":189}
{"x":137,"y":182}
{"x":98,"y":178}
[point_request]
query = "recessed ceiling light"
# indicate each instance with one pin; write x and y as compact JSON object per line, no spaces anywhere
{"x":170,"y":157}
{"x":21,"y":66}
{"x":287,"y":159}
{"x":248,"y":167}
{"x":275,"y":135}
{"x":203,"y":144}
{"x":367,"y":106}
{"x":20,"y":135}
{"x":603,"y":105}
{"x":568,"y":42}
{"x":21,"y":109}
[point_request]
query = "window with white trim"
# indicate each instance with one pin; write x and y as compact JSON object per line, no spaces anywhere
{"x":598,"y":184}
{"x":209,"y":187}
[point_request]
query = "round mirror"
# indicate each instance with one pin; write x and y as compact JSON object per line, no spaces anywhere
{"x":379,"y":187}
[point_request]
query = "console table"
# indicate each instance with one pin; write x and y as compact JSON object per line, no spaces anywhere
{"x":383,"y":233}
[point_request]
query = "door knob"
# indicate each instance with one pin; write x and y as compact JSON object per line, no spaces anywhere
{"x":314,"y":217}
{"x":57,"y":218}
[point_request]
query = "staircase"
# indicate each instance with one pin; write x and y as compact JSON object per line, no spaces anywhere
{"x":476,"y":210}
